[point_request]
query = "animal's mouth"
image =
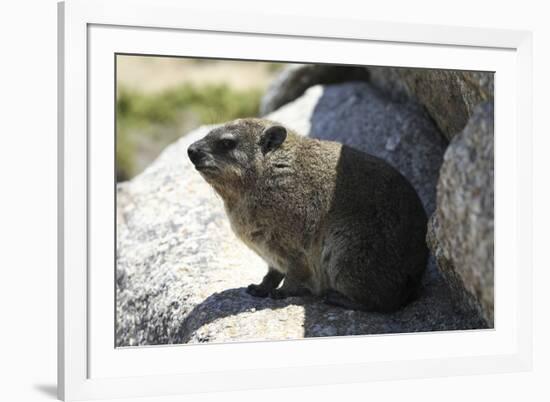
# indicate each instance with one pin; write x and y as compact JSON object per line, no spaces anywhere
{"x":206,"y":168}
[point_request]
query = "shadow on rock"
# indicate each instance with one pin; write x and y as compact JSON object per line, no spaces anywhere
{"x":230,"y":302}
{"x":214,"y":319}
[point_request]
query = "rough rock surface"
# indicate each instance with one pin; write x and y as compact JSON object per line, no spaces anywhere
{"x":461,"y":231}
{"x":449,"y":96}
{"x":295,"y":79}
{"x":182,"y":274}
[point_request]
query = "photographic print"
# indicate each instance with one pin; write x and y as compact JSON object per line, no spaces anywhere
{"x":266,"y":201}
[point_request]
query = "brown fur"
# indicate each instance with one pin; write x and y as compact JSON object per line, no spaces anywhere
{"x":329,"y":219}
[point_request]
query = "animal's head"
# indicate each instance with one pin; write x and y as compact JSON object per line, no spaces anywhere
{"x":231,"y":157}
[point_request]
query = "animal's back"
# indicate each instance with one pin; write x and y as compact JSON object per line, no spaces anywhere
{"x":374,"y":247}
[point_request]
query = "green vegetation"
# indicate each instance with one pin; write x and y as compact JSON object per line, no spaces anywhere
{"x":275,"y":67}
{"x":155,"y":120}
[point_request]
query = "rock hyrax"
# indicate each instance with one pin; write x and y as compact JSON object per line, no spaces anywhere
{"x":328,"y":219}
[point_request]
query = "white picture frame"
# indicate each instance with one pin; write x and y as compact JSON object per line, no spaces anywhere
{"x":90,"y":367}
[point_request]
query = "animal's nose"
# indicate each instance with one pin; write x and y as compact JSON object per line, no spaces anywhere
{"x":195,"y":153}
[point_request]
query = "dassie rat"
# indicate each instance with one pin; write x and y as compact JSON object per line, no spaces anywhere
{"x":328,"y":219}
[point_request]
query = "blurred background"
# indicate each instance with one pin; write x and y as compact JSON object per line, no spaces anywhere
{"x":161,"y":98}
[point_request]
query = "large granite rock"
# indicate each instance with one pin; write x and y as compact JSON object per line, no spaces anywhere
{"x":293,"y":81}
{"x":182,"y":274}
{"x":461,"y":231}
{"x":449,"y":96}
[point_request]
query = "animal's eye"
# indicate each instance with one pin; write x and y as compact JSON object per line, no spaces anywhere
{"x":227,"y":144}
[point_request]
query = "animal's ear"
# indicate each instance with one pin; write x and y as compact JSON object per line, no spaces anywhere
{"x":272,"y":138}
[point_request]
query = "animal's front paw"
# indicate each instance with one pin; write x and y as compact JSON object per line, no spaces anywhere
{"x":257,"y":290}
